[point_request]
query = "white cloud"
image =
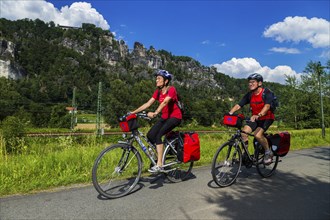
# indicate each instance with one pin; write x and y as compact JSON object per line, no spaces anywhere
{"x":315,"y":31}
{"x":325,"y":54}
{"x":73,"y":15}
{"x":278,"y":74}
{"x":238,"y":68}
{"x":243,"y":67}
{"x":206,"y":42}
{"x":220,"y":44}
{"x":285,"y":50}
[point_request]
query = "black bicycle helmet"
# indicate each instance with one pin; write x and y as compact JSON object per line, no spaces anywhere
{"x":164,"y":74}
{"x":256,"y":76}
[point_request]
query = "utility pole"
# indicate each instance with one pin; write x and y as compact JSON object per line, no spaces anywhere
{"x":99,"y":111}
{"x":319,"y":71}
{"x":74,"y":109}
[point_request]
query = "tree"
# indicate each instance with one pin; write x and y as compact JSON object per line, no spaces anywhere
{"x":116,"y":101}
{"x":40,"y":114}
{"x":292,"y":102}
{"x":315,"y":74}
{"x":10,"y":99}
{"x":59,"y":117}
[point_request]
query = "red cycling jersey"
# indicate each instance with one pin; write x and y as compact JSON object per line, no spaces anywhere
{"x":257,"y":103}
{"x":171,"y":110}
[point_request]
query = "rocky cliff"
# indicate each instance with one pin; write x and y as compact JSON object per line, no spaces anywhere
{"x":113,"y":53}
{"x":9,"y":68}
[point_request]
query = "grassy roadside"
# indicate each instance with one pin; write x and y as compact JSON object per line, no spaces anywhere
{"x":45,"y":163}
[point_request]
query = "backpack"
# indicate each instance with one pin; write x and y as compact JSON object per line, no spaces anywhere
{"x":274,"y":103}
{"x":179,"y":102}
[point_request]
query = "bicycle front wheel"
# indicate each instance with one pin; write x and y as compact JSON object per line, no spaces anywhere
{"x":263,"y":169}
{"x":175,"y":170}
{"x":226,"y":164}
{"x":117,"y":170}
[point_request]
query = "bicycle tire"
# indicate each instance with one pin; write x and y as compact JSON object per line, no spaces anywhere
{"x":263,"y":169}
{"x":179,"y":171}
{"x":226,"y":164}
{"x":117,"y":170}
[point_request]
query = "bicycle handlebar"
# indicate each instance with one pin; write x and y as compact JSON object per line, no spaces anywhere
{"x":143,"y":115}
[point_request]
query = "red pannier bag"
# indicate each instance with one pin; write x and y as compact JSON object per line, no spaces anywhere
{"x":191,"y":147}
{"x":128,"y":123}
{"x":233,"y":120}
{"x":279,"y":143}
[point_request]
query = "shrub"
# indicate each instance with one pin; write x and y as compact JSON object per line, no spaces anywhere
{"x":12,"y":133}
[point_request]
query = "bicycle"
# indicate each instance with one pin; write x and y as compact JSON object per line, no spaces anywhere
{"x":117,"y":169}
{"x":228,"y":159}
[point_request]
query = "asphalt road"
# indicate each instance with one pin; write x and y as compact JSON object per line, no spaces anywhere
{"x":299,"y":190}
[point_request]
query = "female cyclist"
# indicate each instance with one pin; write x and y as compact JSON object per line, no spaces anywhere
{"x":171,"y":115}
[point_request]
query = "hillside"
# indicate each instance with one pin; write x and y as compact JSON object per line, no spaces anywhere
{"x":43,"y":63}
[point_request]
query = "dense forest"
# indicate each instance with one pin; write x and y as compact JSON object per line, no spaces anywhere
{"x":61,"y":66}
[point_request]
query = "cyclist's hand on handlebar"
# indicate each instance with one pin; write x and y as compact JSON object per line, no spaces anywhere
{"x":254,"y":118}
{"x":152,"y":114}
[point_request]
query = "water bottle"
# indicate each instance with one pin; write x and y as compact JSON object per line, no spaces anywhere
{"x":152,"y":153}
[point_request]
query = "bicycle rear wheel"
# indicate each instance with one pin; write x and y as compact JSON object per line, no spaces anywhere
{"x":263,"y":169}
{"x":176,"y":171}
{"x":226,"y":164}
{"x":117,"y":170}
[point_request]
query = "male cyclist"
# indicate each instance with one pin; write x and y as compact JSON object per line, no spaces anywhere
{"x":262,"y":117}
{"x":171,"y":114}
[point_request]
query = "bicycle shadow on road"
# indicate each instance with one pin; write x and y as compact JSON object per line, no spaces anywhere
{"x":153,"y":181}
{"x":286,"y":195}
{"x":136,"y":188}
{"x":143,"y":182}
{"x":158,"y":180}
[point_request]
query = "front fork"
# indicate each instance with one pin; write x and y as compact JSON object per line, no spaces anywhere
{"x":233,"y":146}
{"x":124,"y":159}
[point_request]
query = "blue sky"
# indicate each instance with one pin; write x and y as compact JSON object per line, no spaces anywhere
{"x":274,"y":38}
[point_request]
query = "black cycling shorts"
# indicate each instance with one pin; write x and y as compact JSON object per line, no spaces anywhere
{"x":264,"y":124}
{"x":162,"y":127}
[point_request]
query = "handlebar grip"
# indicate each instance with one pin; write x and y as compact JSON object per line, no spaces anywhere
{"x":143,"y":115}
